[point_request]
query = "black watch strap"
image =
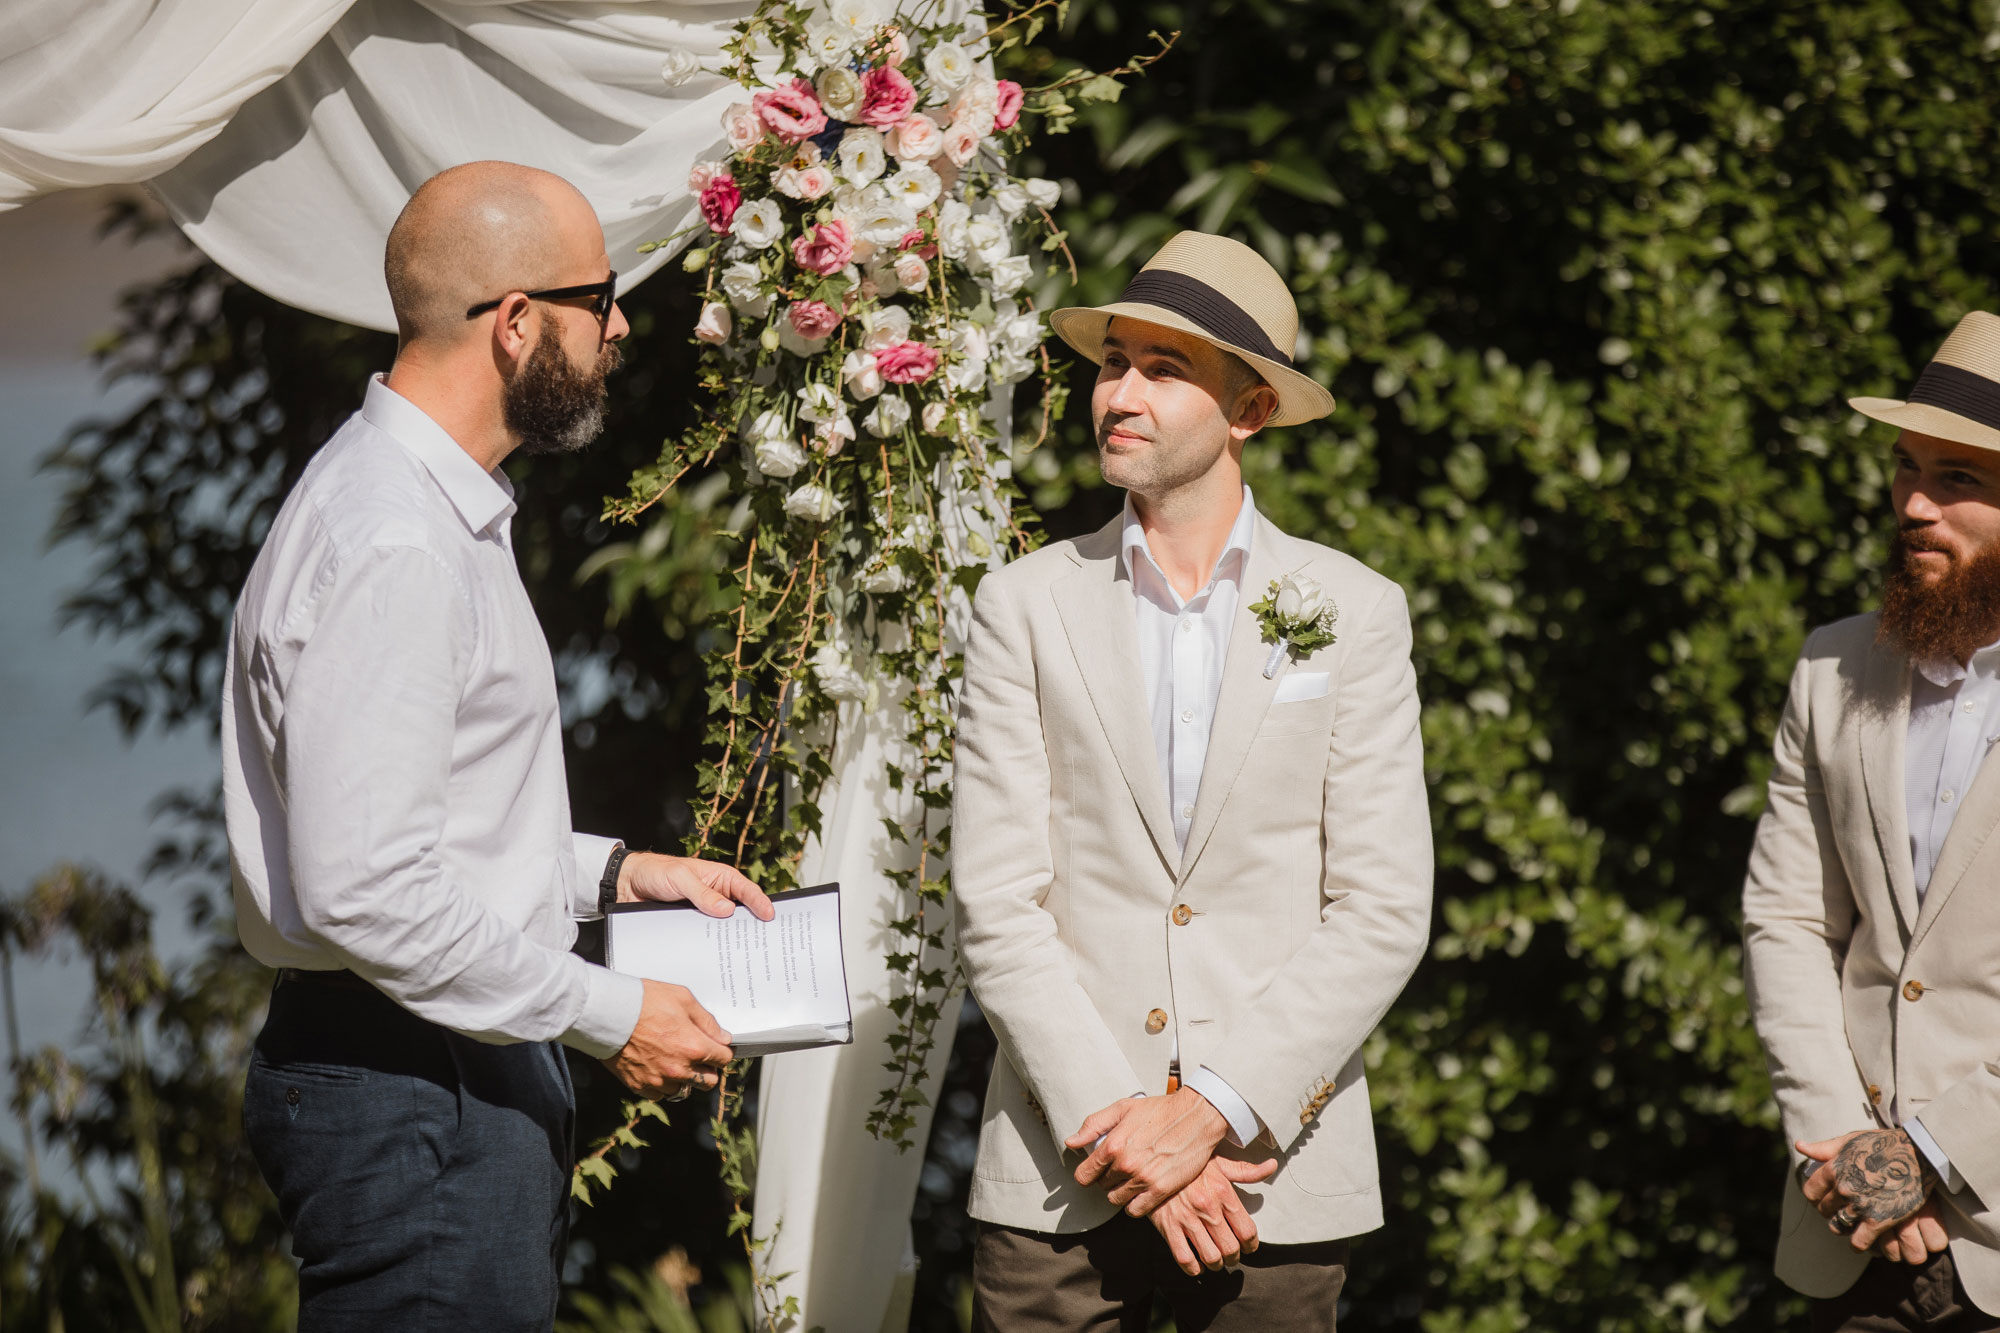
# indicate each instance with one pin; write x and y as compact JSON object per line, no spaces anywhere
{"x":607,"y":888}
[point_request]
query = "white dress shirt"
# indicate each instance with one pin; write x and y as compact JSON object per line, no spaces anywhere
{"x":392,"y":748}
{"x":1954,"y":719}
{"x":1182,"y":644}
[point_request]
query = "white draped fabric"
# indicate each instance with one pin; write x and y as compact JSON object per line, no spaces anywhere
{"x":284,"y":136}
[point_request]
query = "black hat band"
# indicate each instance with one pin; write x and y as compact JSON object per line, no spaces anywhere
{"x":1957,"y":390}
{"x":1215,"y":313}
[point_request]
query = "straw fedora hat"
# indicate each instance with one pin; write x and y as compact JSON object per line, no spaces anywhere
{"x":1958,"y":395}
{"x":1224,"y":293}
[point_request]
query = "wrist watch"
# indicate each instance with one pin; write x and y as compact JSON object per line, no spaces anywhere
{"x":607,"y":887}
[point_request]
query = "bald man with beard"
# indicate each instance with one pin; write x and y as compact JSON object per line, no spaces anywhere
{"x":398,"y":815}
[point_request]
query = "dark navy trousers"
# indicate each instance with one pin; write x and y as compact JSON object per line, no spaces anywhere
{"x":424,"y":1176}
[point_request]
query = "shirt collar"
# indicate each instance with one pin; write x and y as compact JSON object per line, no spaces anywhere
{"x":1132,"y":538}
{"x":1985,"y":662}
{"x":482,"y":498}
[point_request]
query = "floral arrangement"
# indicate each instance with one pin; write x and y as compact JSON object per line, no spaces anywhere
{"x":1296,"y":615}
{"x":866,"y":257}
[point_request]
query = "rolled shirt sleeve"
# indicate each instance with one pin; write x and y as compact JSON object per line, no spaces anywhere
{"x":367,"y":766}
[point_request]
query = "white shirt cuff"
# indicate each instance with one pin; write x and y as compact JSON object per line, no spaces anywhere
{"x":1953,"y":1182}
{"x":1243,"y":1122}
{"x":592,"y":855}
{"x":611,"y":1004}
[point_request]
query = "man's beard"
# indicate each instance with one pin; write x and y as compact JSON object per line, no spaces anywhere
{"x":1946,"y":619}
{"x":553,"y":406}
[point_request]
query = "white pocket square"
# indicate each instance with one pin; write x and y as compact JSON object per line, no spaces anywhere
{"x":1301,"y":685}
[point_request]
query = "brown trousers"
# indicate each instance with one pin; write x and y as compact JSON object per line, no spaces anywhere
{"x":1902,"y":1298}
{"x":1104,"y":1279}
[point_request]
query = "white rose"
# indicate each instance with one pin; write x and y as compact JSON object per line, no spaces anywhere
{"x":954,"y":227}
{"x":813,"y":503}
{"x":819,"y":402}
{"x":758,"y":224}
{"x":987,"y":239}
{"x":1009,"y":275}
{"x":1021,"y":334}
{"x":1011,"y":198}
{"x":858,"y":372}
{"x":839,"y":91}
{"x":917,"y":138}
{"x":834,"y":434}
{"x":884,"y":219}
{"x":885,"y":578}
{"x":969,"y":341}
{"x":885,"y":327}
{"x":933,"y":417}
{"x":948,"y":66}
{"x":828,"y":43}
{"x":891,"y":414}
{"x":1042,"y":192}
{"x":1010,"y":368}
{"x":714,"y":325}
{"x":859,"y":17}
{"x":779,"y":458}
{"x":916,"y":186}
{"x":978,"y":99}
{"x":833,"y":671}
{"x":744,"y":286}
{"x":966,"y":376}
{"x":743,"y":128}
{"x":863,"y":156}
{"x":678,"y":68}
{"x":770,"y":424}
{"x":1299,"y":600}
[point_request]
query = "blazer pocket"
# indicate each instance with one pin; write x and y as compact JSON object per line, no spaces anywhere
{"x":1300,"y":686}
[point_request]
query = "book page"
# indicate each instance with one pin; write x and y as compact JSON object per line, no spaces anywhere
{"x":779,"y":984}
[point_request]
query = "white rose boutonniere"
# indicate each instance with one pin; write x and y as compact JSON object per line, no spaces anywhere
{"x":1297,"y":615}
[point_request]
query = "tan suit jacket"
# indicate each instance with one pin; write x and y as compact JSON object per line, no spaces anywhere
{"x":1306,"y":880}
{"x":1869,"y":1004}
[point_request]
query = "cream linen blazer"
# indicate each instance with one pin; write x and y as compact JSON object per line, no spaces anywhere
{"x":1270,"y":948}
{"x":1864,"y":999}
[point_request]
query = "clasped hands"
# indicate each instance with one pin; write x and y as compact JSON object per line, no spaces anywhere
{"x":678,"y":1046}
{"x":1874,"y":1186}
{"x":1156,"y":1158}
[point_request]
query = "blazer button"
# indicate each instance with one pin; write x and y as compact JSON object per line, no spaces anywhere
{"x":1183,"y":914}
{"x":291,"y":1096}
{"x":1156,"y":1022}
{"x":1874,"y":1093}
{"x":1913,"y":990}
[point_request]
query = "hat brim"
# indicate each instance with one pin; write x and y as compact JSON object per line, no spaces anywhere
{"x":1300,"y":397}
{"x":1927,"y":419}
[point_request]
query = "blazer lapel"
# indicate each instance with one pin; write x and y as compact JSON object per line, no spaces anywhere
{"x":1095,"y":604}
{"x":1245,"y":695}
{"x":1884,"y":726}
{"x":1970,"y":829}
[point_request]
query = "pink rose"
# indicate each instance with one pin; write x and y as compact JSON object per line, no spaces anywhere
{"x":803,"y":182}
{"x":827,"y":248}
{"x":1007,"y":107}
{"x":792,"y":112}
{"x":916,"y":139}
{"x":907,"y":363}
{"x":715,"y":324}
{"x":899,"y":47}
{"x":742,"y":127}
{"x":814,"y":319}
{"x":719,"y":202}
{"x":911,"y":239}
{"x":912,"y":273}
{"x":886,"y":98}
{"x":960,"y":143}
{"x":701,"y":173}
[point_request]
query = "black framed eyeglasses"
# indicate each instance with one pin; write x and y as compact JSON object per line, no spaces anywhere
{"x":601,"y":295}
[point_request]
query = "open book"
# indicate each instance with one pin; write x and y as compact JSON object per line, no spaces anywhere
{"x":778,"y":985}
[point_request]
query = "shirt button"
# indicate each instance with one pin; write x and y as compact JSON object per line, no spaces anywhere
{"x":1187,"y":812}
{"x":1187,"y":715}
{"x":1971,"y":706}
{"x":1188,"y":625}
{"x":1946,"y":798}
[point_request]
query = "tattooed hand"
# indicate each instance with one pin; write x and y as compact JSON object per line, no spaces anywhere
{"x":1873,"y":1179}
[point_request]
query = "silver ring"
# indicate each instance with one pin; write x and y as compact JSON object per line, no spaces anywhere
{"x":1806,"y":1170}
{"x":1845,"y":1222}
{"x":680,"y":1094}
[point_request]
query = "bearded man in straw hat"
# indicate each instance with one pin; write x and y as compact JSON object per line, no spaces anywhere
{"x":1871,"y":924}
{"x":1192,"y":849}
